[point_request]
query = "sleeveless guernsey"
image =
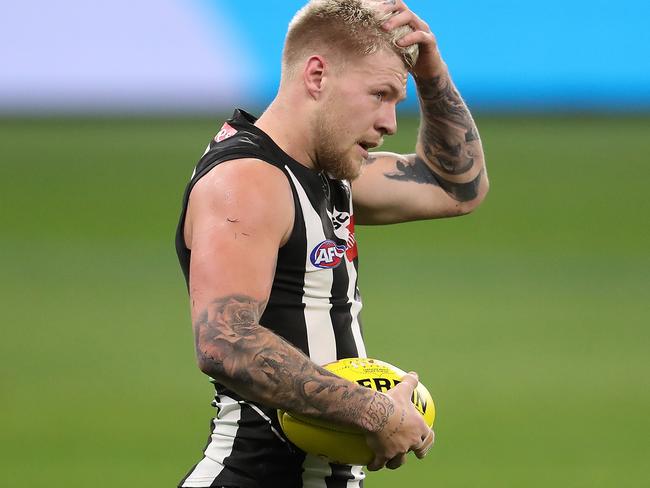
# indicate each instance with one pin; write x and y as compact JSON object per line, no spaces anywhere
{"x":314,"y":304}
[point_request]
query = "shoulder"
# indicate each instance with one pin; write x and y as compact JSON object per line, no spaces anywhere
{"x":245,"y":175}
{"x":246,"y":189}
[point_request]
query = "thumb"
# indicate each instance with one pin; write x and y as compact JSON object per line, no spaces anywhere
{"x":410,"y":380}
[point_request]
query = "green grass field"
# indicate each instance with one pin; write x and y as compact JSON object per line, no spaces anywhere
{"x":528,"y":320}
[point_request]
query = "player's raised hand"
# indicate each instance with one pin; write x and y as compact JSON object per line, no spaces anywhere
{"x":404,"y":431}
{"x":429,"y":63}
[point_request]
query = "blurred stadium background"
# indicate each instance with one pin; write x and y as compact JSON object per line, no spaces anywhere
{"x":528,"y":320}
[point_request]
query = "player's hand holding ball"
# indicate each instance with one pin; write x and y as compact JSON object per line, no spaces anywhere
{"x":405,"y":430}
{"x":402,"y":410}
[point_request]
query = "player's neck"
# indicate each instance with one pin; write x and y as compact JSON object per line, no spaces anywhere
{"x":288,"y":130}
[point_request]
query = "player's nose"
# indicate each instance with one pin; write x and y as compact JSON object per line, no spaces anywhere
{"x":387,"y":121}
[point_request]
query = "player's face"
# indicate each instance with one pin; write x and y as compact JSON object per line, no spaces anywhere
{"x":358,"y":111}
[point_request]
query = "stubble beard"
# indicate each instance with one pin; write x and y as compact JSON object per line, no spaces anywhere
{"x":331,"y":156}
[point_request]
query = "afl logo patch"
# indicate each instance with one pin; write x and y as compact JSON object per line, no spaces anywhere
{"x":327,"y":255}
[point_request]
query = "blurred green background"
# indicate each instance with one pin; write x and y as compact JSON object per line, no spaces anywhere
{"x":528,"y":320}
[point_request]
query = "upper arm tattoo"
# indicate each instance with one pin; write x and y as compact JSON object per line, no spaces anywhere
{"x":417,"y":170}
{"x":234,"y":348}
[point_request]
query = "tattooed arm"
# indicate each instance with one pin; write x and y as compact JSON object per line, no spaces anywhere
{"x":233,"y":348}
{"x":446,"y":176}
{"x":238,"y":216}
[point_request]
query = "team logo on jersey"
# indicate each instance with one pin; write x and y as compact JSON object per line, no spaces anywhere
{"x":327,"y":255}
{"x":343,"y":224}
{"x":226,"y":131}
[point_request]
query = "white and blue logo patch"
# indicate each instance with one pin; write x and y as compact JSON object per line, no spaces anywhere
{"x":327,"y":255}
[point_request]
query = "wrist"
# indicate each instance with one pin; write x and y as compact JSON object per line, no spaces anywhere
{"x":433,"y":66}
{"x":377,"y":413}
{"x":438,"y":74}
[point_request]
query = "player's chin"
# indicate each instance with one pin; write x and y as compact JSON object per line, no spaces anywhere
{"x":347,"y":168}
{"x":356,"y":163}
{"x":354,"y":168}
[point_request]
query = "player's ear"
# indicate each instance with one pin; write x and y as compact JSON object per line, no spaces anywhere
{"x":314,"y":75}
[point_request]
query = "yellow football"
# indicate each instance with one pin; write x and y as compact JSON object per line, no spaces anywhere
{"x":342,"y":444}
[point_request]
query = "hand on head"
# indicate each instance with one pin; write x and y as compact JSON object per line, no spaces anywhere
{"x":429,"y":63}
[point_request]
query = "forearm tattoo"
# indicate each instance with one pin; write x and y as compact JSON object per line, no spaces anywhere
{"x":447,"y":127}
{"x":234,"y":349}
{"x":449,"y":140}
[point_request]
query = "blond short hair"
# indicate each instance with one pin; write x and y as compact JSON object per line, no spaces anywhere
{"x":345,"y":27}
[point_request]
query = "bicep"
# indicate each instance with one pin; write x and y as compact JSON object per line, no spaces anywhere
{"x":230,"y":259}
{"x":395,"y":188}
{"x":238,"y":220}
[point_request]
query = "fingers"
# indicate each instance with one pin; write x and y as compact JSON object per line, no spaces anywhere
{"x":411,"y":379}
{"x":426,"y":445}
{"x":397,"y":20}
{"x":406,"y":430}
{"x":376,"y":464}
{"x":381,"y":462}
{"x":416,"y":37}
{"x":405,"y":388}
{"x":406,"y":18}
{"x":402,"y":15}
{"x":397,"y":461}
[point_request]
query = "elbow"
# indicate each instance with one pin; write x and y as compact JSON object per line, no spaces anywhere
{"x":227,"y":368}
{"x":206,"y":366}
{"x":468,"y":206}
{"x":210,"y":361}
{"x":465,"y":197}
{"x":224,"y":365}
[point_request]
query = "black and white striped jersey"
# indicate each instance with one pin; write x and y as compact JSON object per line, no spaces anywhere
{"x":314,"y":304}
